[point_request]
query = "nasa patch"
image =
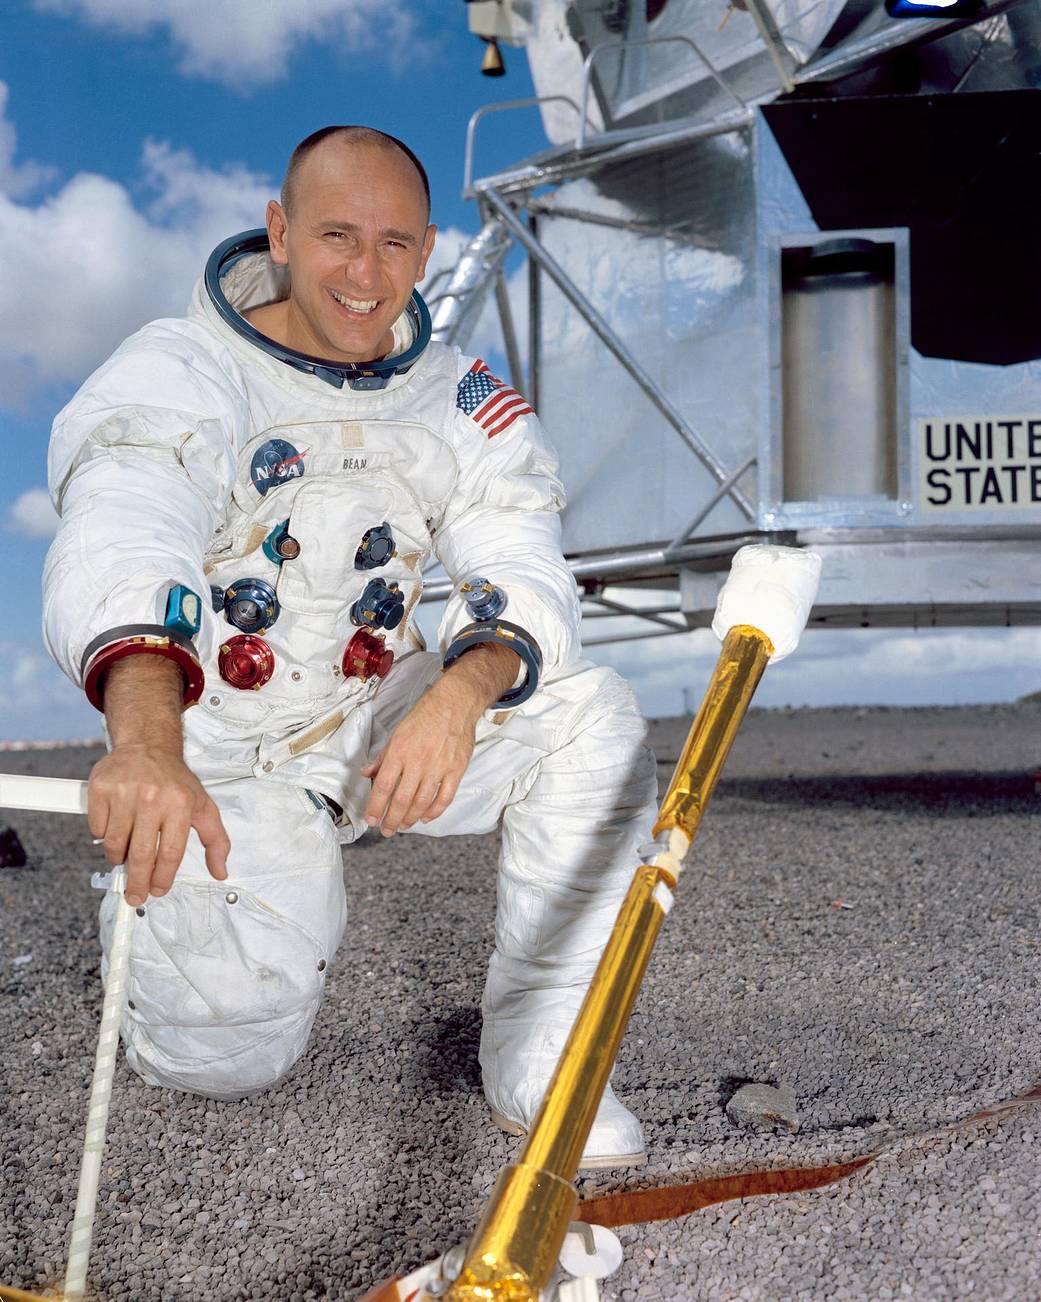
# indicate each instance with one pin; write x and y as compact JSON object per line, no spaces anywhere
{"x":275,"y":462}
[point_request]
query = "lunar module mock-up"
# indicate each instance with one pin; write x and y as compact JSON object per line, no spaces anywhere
{"x":783,"y":286}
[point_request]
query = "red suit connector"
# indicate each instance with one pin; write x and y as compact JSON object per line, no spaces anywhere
{"x":366,"y":655}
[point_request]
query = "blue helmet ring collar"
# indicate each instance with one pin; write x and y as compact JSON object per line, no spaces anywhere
{"x":360,"y":375}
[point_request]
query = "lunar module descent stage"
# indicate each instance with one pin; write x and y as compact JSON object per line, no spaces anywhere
{"x":783,"y":286}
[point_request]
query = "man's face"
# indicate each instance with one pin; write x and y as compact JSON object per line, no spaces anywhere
{"x":356,"y":242}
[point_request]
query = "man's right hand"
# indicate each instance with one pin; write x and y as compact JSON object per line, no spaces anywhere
{"x":142,"y":799}
{"x":144,"y":802}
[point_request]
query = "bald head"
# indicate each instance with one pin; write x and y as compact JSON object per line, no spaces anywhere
{"x":353,"y":227}
{"x":325,"y":145}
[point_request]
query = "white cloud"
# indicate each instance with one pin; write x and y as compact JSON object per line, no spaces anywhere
{"x":247,"y":42}
{"x":85,"y":267}
{"x":32,"y":515}
{"x":25,"y":670}
{"x":187,"y":194}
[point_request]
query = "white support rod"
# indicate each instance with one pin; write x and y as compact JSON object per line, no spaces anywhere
{"x":771,"y":39}
{"x":475,"y":117}
{"x":100,"y":1095}
{"x":53,"y":795}
{"x":706,"y":509}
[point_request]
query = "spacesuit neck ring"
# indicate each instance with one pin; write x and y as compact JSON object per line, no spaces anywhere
{"x":358,"y":376}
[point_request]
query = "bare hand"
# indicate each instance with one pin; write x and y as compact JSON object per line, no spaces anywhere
{"x":143,"y":801}
{"x":418,"y":773}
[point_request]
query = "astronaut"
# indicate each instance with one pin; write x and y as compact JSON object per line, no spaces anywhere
{"x":248,"y":496}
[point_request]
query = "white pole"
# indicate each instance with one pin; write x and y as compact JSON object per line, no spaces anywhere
{"x":100,"y":1094}
{"x":54,"y":795}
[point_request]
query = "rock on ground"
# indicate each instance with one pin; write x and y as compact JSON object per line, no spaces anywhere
{"x":12,"y":852}
{"x":756,"y":1104}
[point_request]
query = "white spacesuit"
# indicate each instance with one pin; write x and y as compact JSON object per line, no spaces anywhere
{"x":204,"y":461}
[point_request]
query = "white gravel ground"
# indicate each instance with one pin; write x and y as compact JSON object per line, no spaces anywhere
{"x":910,"y":1010}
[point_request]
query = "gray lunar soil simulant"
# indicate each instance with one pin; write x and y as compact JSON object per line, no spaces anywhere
{"x":858,"y":925}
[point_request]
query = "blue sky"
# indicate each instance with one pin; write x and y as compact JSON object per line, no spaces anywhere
{"x":134,"y":136}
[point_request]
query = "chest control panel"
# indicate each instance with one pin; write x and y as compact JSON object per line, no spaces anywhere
{"x":381,"y":605}
{"x":251,"y":605}
{"x":376,"y":547}
{"x":366,"y":655}
{"x":246,"y":662}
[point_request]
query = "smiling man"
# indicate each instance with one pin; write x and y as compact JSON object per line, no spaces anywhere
{"x":248,"y":497}
{"x":354,"y":268}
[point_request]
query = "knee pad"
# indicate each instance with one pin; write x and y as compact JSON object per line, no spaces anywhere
{"x":217,"y":1062}
{"x":222,"y":990}
{"x":226,"y":977}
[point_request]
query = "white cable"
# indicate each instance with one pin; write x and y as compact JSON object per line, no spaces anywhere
{"x":100,"y":1094}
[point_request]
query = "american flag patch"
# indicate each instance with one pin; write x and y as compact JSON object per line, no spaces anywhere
{"x":489,"y":401}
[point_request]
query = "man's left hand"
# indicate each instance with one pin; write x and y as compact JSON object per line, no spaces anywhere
{"x":418,"y":773}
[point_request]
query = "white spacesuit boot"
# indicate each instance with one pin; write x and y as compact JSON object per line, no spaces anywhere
{"x":569,"y":854}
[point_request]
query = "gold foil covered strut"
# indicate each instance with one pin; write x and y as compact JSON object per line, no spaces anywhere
{"x":745,"y":654}
{"x":512,"y":1255}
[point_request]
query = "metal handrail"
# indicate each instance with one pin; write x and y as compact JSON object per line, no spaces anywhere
{"x":587,"y":74}
{"x":478,"y":114}
{"x":615,"y":146}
